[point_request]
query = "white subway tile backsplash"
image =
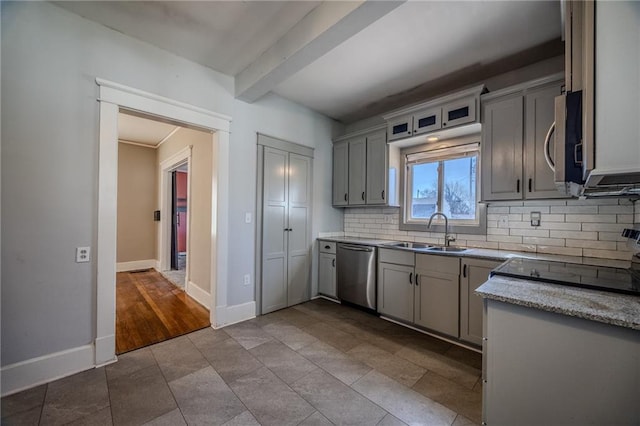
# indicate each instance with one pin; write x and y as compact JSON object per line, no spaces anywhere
{"x":624,"y":218}
{"x":575,"y":209}
{"x":528,"y":209}
{"x":568,"y":227}
{"x":567,"y":251}
{"x":600,"y":245}
{"x":576,"y":235}
{"x":563,"y":226}
{"x":607,"y":254}
{"x":530,"y":232}
{"x":604,"y":227}
{"x":538,"y":241}
{"x":611,"y":236}
{"x":516,"y":239}
{"x":616,"y":209}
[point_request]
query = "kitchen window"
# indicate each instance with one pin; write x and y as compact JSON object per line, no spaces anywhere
{"x":445,"y":179}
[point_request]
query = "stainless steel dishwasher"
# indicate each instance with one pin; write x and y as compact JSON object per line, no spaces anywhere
{"x":356,"y":274}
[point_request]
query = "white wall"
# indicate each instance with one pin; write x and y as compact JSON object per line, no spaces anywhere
{"x":50,"y":59}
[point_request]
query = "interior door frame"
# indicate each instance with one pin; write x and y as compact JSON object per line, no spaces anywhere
{"x":166,"y":167}
{"x":273,"y":142}
{"x":112,"y":98}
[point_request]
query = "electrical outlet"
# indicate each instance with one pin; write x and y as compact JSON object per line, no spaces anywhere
{"x":247,"y":279}
{"x":535,"y":218}
{"x":388,"y":218}
{"x":83,"y":254}
{"x":503,"y":222}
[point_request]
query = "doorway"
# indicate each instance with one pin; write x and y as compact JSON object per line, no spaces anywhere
{"x":179,"y":214}
{"x":112,"y":97}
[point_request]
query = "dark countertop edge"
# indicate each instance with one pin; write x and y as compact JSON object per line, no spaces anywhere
{"x":484,"y":253}
{"x":574,"y":310}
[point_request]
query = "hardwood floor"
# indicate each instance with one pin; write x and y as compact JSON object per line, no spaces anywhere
{"x":150,"y":309}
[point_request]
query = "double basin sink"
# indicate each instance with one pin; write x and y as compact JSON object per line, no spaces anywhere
{"x":426,"y":247}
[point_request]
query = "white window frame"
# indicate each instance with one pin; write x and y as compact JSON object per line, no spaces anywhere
{"x":438,"y":152}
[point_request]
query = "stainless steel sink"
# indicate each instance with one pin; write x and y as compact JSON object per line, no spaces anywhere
{"x":408,"y":245}
{"x":447,"y":249}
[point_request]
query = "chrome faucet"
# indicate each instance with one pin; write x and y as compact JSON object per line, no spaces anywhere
{"x":447,"y":238}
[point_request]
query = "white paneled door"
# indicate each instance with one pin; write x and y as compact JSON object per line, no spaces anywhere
{"x":286,"y":229}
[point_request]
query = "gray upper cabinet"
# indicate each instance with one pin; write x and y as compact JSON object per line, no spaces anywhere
{"x":502,"y":148}
{"x":377,"y":162}
{"x":341,"y":174}
{"x":539,"y":115}
{"x":459,"y":112}
{"x":362,"y":171}
{"x":515,"y":122}
{"x":427,"y":121}
{"x":357,"y":171}
{"x":448,"y":111}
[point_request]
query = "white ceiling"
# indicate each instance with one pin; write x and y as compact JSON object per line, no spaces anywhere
{"x":143,"y":131}
{"x":348,"y":60}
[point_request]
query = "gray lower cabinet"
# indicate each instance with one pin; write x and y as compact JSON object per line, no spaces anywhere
{"x":395,"y":283}
{"x":437,"y":287}
{"x":327,"y":268}
{"x":515,"y":122}
{"x":545,"y":368}
{"x":475,"y":272}
{"x":419,"y":288}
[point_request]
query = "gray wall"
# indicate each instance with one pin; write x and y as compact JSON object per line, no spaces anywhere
{"x":50,"y":59}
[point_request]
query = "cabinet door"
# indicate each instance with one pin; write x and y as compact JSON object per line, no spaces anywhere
{"x":377,"y":163}
{"x":399,"y":128}
{"x":427,"y":121}
{"x":539,"y":115}
{"x":357,"y":171}
{"x":274,"y":239}
{"x":341,"y":174}
{"x":459,"y":112}
{"x":395,"y":291}
{"x":474,"y":273}
{"x":502,"y":149}
{"x":327,"y":274}
{"x":299,"y":227}
{"x":436,"y":301}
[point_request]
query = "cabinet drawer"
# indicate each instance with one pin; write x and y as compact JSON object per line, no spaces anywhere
{"x":435,"y":263}
{"x":399,"y":257}
{"x":327,"y":246}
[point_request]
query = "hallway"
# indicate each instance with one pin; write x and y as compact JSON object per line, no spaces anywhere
{"x":150,"y":309}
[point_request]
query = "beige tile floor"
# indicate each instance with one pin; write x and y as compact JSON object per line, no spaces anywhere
{"x":318,"y":363}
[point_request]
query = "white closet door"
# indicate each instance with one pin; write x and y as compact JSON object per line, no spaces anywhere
{"x":300,"y":226}
{"x":274,"y":241}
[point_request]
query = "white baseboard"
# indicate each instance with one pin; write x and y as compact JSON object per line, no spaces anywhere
{"x":136,"y":264}
{"x":227,"y":315}
{"x":105,"y":350}
{"x":198,"y":294}
{"x":36,"y":371}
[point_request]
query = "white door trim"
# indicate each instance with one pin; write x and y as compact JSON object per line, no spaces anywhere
{"x":181,"y":157}
{"x":112,"y":97}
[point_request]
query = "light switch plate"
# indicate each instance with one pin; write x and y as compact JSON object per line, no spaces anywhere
{"x":247,"y":217}
{"x":535,"y":218}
